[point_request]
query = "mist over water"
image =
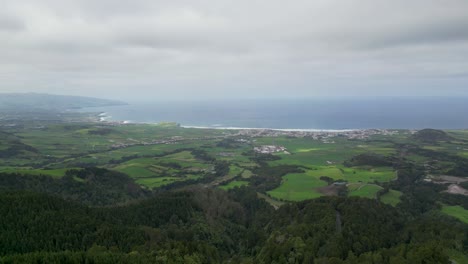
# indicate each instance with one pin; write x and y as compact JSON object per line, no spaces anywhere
{"x":397,"y":113}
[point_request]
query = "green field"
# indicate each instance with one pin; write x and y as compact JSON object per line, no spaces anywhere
{"x":159,"y":171}
{"x":366,"y":190}
{"x":156,"y":182}
{"x":392,"y":197}
{"x":298,"y":187}
{"x":246,"y":174}
{"x":56,"y":173}
{"x":302,"y":186}
{"x":457,"y":256}
{"x":456,"y":211}
{"x":234,"y":184}
{"x":156,"y":155}
{"x":235,"y":170}
{"x":74,"y":142}
{"x":354,"y":174}
{"x":275,"y":203}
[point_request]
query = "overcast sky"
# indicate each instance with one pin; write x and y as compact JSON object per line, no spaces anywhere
{"x":145,"y":49}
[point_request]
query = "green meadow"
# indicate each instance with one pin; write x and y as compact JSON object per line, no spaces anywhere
{"x":55,"y":173}
{"x":159,"y":171}
{"x":301,"y":186}
{"x":234,"y":184}
{"x":157,"y":155}
{"x":392,"y":197}
{"x":364,"y":190}
{"x":235,"y":170}
{"x":457,"y":256}
{"x":298,"y":187}
{"x":456,"y":211}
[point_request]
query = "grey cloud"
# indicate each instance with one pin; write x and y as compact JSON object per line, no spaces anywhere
{"x":430,"y":33}
{"x":233,"y":48}
{"x":8,"y":23}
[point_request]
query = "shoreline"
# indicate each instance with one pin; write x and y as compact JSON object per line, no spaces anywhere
{"x":279,"y":129}
{"x":105,"y":118}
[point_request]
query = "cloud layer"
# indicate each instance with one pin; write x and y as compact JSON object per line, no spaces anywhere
{"x":144,"y":49}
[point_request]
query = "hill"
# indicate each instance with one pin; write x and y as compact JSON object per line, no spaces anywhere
{"x":431,"y":135}
{"x":90,"y":186}
{"x":213,"y":226}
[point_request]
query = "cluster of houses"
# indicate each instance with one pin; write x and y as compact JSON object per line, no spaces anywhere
{"x":323,"y":135}
{"x":269,"y":149}
{"x":154,"y":142}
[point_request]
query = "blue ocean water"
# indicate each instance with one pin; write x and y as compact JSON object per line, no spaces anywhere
{"x":331,"y":113}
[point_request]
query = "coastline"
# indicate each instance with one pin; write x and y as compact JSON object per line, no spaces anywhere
{"x":294,"y":116}
{"x":275,"y":129}
{"x":106,"y":118}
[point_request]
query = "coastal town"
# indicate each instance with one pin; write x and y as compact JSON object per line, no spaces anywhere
{"x":248,"y":136}
{"x":270,"y":149}
{"x":318,"y":134}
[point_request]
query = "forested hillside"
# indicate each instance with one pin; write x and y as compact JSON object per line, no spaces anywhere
{"x":213,"y":226}
{"x":114,"y":193}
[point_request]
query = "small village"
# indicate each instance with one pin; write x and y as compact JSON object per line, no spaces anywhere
{"x":324,"y":135}
{"x":270,"y":149}
{"x":247,"y":135}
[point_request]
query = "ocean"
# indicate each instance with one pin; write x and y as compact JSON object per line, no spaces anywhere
{"x":322,"y":114}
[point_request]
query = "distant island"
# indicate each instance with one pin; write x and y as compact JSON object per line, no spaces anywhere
{"x":48,"y":102}
{"x":20,"y":107}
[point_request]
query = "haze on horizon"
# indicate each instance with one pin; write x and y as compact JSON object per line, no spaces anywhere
{"x":144,"y":49}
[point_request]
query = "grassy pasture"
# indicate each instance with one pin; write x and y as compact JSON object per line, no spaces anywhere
{"x":314,"y":158}
{"x":246,"y":174}
{"x":318,"y":158}
{"x":319,"y":154}
{"x":156,"y":182}
{"x":379,"y":148}
{"x":136,"y":170}
{"x":235,"y":170}
{"x":298,"y":187}
{"x":233,"y":184}
{"x":235,"y":153}
{"x":435,"y":148}
{"x":150,"y":150}
{"x":417,"y":158}
{"x":161,"y":181}
{"x":159,"y":171}
{"x":145,"y":167}
{"x":275,"y":203}
{"x":456,"y":211}
{"x":357,"y":174}
{"x":61,"y":141}
{"x":457,"y":256}
{"x":392,"y":197}
{"x":310,"y":152}
{"x":185,"y":159}
{"x":460,"y":134}
{"x":365,"y":190}
{"x":55,"y":173}
{"x":302,"y":186}
{"x":354,"y":174}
